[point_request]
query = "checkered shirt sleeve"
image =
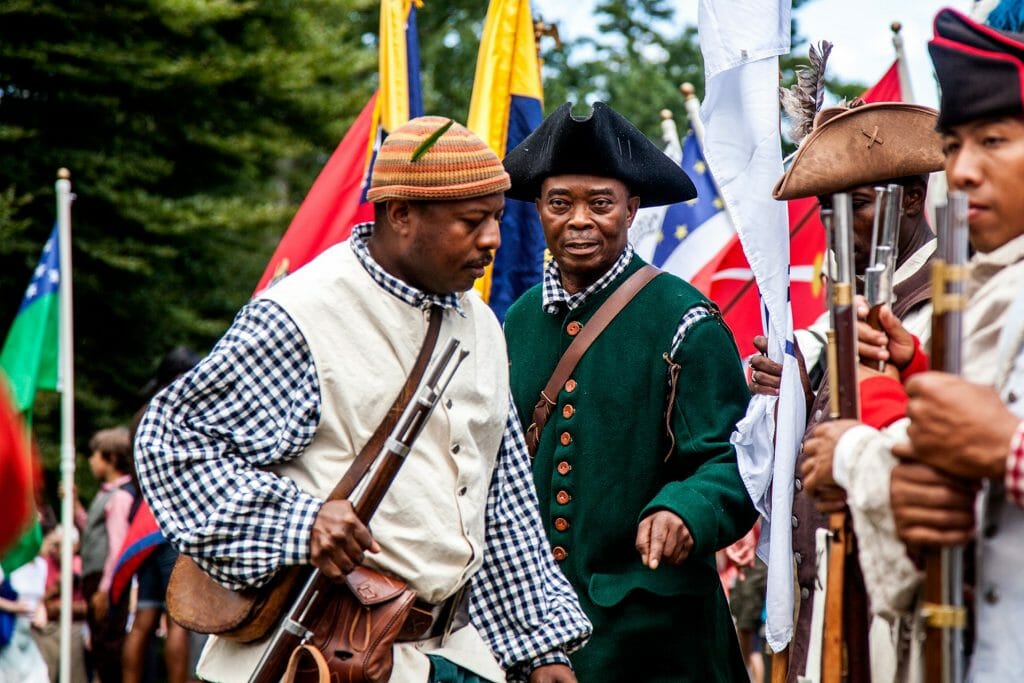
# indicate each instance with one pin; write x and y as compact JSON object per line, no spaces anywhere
{"x":689,"y":319}
{"x":520,"y":601}
{"x":204,"y":441}
{"x":1015,"y":467}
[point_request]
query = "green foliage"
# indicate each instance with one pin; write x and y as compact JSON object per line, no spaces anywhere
{"x":192,"y":128}
{"x":636,"y":64}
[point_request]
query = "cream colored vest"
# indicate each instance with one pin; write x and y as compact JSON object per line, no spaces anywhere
{"x":430,"y":525}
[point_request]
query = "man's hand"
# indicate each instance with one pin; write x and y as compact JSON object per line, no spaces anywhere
{"x":553,"y":673}
{"x":816,"y":468}
{"x":663,"y":536}
{"x":958,"y":427}
{"x":766,"y":374}
{"x":892,"y":344}
{"x":931,"y":508}
{"x":338,"y":540}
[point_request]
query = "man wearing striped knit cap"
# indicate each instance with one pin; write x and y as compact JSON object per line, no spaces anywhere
{"x":276,"y":413}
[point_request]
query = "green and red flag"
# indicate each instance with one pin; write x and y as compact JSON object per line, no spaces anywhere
{"x":28,"y":360}
{"x":29,"y":355}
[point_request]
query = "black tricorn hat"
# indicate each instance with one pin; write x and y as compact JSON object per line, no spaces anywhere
{"x":603,"y":144}
{"x":980,"y":70}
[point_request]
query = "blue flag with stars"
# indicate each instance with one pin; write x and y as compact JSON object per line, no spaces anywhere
{"x":686,"y":238}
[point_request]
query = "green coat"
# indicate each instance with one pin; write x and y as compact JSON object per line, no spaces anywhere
{"x":606,"y":460}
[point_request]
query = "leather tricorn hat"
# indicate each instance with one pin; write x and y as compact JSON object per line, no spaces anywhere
{"x":602,"y":144}
{"x":980,"y":70}
{"x":870,"y":143}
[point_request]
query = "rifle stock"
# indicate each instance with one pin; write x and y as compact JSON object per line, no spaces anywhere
{"x":943,"y":611}
{"x":842,"y":356}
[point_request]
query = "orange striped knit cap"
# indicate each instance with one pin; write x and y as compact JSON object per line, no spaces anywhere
{"x":458,"y":165}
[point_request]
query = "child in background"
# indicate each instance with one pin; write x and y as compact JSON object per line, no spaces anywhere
{"x":103,"y":531}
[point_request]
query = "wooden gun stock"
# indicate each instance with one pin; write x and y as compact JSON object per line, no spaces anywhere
{"x":843,"y":360}
{"x":943,"y":611}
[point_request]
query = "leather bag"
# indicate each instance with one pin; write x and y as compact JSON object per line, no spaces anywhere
{"x":353,"y":641}
{"x":199,"y":603}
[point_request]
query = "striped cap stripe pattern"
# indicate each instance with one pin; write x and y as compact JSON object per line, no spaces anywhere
{"x":459,"y":165}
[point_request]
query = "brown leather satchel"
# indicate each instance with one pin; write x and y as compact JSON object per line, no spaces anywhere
{"x":572,"y":355}
{"x":196,"y":601}
{"x":353,"y":640}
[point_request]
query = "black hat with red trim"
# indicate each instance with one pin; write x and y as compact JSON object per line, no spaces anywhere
{"x":980,"y":70}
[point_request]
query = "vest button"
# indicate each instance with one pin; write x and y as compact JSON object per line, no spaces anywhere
{"x":462,"y":491}
{"x":564,"y":468}
{"x":796,"y":522}
{"x":448,"y":404}
{"x":455,"y":448}
{"x":559,"y":553}
{"x":992,"y":595}
{"x":565,"y":438}
{"x":798,"y":485}
{"x":573,"y":328}
{"x":570,"y":386}
{"x":561,"y":523}
{"x":798,"y":557}
{"x":568,"y":411}
{"x":563,"y":497}
{"x":804,"y":593}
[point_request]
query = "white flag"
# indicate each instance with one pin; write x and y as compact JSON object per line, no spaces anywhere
{"x":741,"y":41}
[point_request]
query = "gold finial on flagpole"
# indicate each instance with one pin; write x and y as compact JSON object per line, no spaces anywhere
{"x":63,"y":173}
{"x":688,"y":90}
{"x":896,"y":26}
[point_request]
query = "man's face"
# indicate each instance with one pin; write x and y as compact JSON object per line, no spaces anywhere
{"x":586,"y":223}
{"x":863,"y":200}
{"x":449,"y":244}
{"x":985,"y":159}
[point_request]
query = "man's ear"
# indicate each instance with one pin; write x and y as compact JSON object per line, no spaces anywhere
{"x":399,"y":215}
{"x":633,"y":204}
{"x":913,"y":199}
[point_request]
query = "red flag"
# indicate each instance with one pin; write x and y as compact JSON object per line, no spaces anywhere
{"x":15,"y":473}
{"x":335,"y":203}
{"x":732,"y":283}
{"x":887,"y":89}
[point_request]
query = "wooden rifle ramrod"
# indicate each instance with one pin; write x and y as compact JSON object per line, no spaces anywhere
{"x":943,"y":610}
{"x":842,"y":361}
{"x":300,"y":620}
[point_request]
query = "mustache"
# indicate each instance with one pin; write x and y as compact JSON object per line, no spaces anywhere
{"x":482,"y":262}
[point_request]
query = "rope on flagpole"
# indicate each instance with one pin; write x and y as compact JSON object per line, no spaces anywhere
{"x":66,"y":386}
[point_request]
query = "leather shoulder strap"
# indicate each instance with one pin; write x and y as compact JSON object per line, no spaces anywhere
{"x":594,"y":327}
{"x":362,"y":463}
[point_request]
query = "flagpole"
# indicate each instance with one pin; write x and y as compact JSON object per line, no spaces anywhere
{"x":693,"y":111}
{"x":906,"y":88}
{"x":66,"y":385}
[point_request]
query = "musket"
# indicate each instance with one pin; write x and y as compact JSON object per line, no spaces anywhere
{"x":943,"y":610}
{"x":842,"y":360}
{"x":878,"y":277}
{"x":300,"y":620}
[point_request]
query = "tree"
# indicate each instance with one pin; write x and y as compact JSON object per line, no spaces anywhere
{"x":191,"y":129}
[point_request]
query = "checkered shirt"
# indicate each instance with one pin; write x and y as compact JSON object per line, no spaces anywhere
{"x":205,"y":442}
{"x":554,"y":295}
